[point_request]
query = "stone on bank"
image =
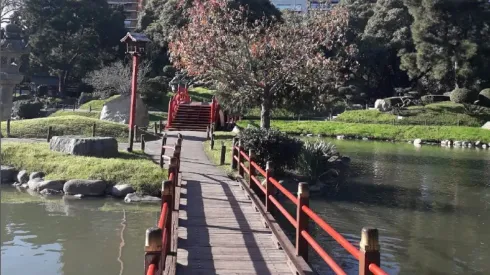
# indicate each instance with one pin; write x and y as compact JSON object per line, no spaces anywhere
{"x":85,"y":187}
{"x":85,"y":146}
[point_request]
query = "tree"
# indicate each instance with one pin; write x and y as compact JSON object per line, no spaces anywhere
{"x":254,"y":62}
{"x":451,"y":40}
{"x":71,"y":37}
{"x":116,"y":78}
{"x":161,"y":18}
{"x":387,"y":33}
{"x":7,"y":7}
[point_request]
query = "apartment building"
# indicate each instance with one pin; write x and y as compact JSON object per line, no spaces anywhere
{"x":131,"y":8}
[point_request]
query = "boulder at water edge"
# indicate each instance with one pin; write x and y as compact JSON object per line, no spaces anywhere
{"x":85,"y":146}
{"x":417,"y":141}
{"x":50,"y":192}
{"x":56,"y":185}
{"x":85,"y":187}
{"x":36,"y":175}
{"x":117,"y":110}
{"x":22,"y":177}
{"x":121,"y":190}
{"x":8,"y":174}
{"x":382,"y":105}
{"x":34,"y":183}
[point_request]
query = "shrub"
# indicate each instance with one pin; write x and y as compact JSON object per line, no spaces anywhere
{"x":429,"y":99}
{"x":27,"y":109}
{"x":463,"y":95}
{"x":484,"y":97}
{"x":271,"y":145}
{"x":318,"y":161}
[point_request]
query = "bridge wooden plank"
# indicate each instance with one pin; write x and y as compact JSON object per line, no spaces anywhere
{"x":219,"y":231}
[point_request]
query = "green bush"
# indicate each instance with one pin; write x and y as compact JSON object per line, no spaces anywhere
{"x":463,"y":95}
{"x":484,"y":97}
{"x":320,"y":162}
{"x":271,"y":145}
{"x":26,"y":109}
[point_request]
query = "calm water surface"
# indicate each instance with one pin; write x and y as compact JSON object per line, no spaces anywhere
{"x":71,"y":237}
{"x":431,"y":205}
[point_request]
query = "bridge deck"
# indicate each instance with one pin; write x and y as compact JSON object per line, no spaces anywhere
{"x":219,"y":231}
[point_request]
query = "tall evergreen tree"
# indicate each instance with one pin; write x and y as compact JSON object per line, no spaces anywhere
{"x":451,"y":40}
{"x":71,"y":37}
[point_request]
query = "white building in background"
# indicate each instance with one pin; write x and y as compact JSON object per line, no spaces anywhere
{"x":304,"y":5}
{"x":131,"y":10}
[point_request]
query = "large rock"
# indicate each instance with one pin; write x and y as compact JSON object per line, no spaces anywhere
{"x":8,"y":174}
{"x":486,"y":125}
{"x":36,"y":175}
{"x":51,"y":184}
{"x":117,"y":110}
{"x":133,"y":197}
{"x":121,"y":190}
{"x":85,"y":187}
{"x":34,"y":184}
{"x":81,"y":146}
{"x":22,"y":177}
{"x":382,"y":105}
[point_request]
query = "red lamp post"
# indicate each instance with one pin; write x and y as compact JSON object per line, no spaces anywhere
{"x":135,"y":46}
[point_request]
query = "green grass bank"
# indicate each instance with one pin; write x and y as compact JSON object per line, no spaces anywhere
{"x":438,"y":114}
{"x":65,"y":125}
{"x":97,"y":104}
{"x":377,"y":131}
{"x":132,"y":168}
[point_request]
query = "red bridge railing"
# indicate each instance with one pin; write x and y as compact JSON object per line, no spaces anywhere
{"x":368,"y":255}
{"x":181,"y":97}
{"x":159,"y":239}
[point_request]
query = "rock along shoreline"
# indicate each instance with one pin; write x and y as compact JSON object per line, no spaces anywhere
{"x":77,"y":188}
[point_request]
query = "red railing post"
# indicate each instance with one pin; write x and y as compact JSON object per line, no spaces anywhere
{"x":251,"y":156}
{"x":162,"y":149}
{"x":240,"y":149}
{"x":302,"y":220}
{"x":233,"y":150}
{"x":153,"y":248}
{"x":269,"y":187}
{"x":170,"y":112}
{"x":369,"y":248}
{"x":173,"y":168}
{"x":168,"y":193}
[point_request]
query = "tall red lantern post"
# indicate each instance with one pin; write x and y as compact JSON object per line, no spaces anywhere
{"x":135,"y":46}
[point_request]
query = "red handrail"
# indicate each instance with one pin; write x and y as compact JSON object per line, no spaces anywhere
{"x":156,"y":262}
{"x":239,"y":157}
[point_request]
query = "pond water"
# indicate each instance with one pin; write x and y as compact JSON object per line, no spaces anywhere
{"x":60,"y":236}
{"x":430,"y":204}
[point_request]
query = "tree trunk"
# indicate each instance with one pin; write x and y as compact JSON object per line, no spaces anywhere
{"x":265,"y":113}
{"x":63,"y":76}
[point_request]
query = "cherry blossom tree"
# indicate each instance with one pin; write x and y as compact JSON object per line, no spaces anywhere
{"x":254,"y":63}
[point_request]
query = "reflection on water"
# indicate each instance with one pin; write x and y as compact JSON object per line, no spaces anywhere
{"x":56,"y":236}
{"x":431,"y":205}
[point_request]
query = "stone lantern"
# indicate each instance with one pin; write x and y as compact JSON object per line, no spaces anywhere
{"x":12,"y":47}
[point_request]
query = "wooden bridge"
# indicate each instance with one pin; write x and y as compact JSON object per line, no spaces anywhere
{"x":211,"y":224}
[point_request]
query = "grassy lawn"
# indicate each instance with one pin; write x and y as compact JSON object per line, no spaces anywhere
{"x":62,"y":113}
{"x":132,"y":168}
{"x":65,"y":125}
{"x":379,"y":131}
{"x":97,"y":104}
{"x":443,"y":113}
{"x":215,"y":154}
{"x":200,"y":94}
